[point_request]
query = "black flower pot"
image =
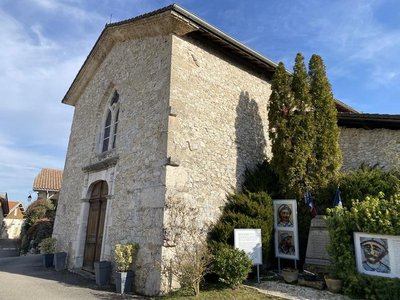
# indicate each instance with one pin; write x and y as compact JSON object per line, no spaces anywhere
{"x":47,"y":260}
{"x":102,"y":270}
{"x":60,"y":260}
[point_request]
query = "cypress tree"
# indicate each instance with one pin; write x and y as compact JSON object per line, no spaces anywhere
{"x":279,"y":110}
{"x":327,"y":155}
{"x":302,"y":130}
{"x":292,"y":129}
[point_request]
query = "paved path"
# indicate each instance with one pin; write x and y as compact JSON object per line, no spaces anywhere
{"x":9,"y":248}
{"x":24,"y":277}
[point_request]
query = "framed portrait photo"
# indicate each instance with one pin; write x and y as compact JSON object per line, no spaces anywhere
{"x":284,"y":213}
{"x":285,"y":224}
{"x":377,"y":255}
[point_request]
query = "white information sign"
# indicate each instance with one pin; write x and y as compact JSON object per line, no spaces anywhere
{"x":249,"y":240}
{"x":377,"y":255}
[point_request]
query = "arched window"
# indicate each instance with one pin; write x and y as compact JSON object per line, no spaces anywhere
{"x":109,"y":133}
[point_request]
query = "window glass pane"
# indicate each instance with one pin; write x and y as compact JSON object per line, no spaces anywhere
{"x":108,"y":121}
{"x":115,"y":98}
{"x":115,"y":135}
{"x":107,"y":132}
{"x":105,"y":144}
{"x":116,"y":117}
{"x":115,"y":129}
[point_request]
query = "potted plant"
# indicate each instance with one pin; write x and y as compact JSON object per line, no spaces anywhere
{"x":124,"y":256}
{"x":290,"y":275}
{"x":332,"y":281}
{"x":47,"y":247}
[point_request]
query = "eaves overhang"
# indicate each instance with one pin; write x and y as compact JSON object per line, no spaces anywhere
{"x":369,"y":121}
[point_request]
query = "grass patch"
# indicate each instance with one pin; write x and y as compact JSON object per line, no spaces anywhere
{"x":219,"y":292}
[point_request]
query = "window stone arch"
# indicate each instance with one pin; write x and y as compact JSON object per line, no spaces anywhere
{"x":110,"y":124}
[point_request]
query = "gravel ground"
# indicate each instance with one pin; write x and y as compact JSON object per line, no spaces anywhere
{"x":290,"y":291}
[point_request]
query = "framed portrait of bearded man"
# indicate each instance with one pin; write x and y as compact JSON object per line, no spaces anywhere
{"x":377,"y":254}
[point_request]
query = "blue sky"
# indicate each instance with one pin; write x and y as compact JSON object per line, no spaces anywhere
{"x":44,"y":43}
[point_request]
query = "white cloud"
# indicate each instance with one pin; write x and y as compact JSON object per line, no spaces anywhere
{"x":35,"y":125}
{"x":70,"y":8}
{"x":19,"y":167}
{"x":354,"y":35}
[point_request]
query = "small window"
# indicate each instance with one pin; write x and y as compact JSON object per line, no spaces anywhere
{"x":109,"y":133}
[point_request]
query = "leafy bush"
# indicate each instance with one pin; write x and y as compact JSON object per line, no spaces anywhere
{"x":245,"y":210}
{"x":124,"y":255}
{"x":48,"y":245}
{"x":373,"y":215}
{"x":38,"y":210}
{"x":368,"y":181}
{"x":232,"y":265}
{"x":38,"y":224}
{"x":31,"y":238}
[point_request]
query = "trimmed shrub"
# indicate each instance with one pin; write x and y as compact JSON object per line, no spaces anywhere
{"x":232,"y":265}
{"x":125,"y":255}
{"x":368,"y":181}
{"x":262,"y":179}
{"x":373,"y":215}
{"x":48,"y":245}
{"x":245,"y":210}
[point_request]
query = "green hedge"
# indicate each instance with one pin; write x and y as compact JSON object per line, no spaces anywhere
{"x":245,"y":210}
{"x":368,"y":181}
{"x":262,"y":179}
{"x":378,"y":215}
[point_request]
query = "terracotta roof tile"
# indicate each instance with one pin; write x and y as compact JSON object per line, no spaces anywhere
{"x":48,"y":180}
{"x":12,"y":204}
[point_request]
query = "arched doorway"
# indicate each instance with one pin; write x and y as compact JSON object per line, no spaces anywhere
{"x":95,"y":226}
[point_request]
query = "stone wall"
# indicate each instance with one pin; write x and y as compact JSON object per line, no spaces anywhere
{"x":218,"y":128}
{"x":140,"y":71}
{"x":371,"y":147}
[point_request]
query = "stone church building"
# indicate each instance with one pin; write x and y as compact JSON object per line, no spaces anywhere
{"x":167,"y":108}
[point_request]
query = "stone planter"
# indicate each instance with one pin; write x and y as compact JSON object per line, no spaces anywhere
{"x":334,"y":285}
{"x":60,"y":261}
{"x":123,"y":282}
{"x":47,"y":260}
{"x":102,"y":270}
{"x":290,"y":275}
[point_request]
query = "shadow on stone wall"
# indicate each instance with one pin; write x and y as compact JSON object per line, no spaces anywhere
{"x":250,"y":140}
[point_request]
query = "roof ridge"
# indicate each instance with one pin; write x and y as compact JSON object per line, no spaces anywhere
{"x":142,"y":16}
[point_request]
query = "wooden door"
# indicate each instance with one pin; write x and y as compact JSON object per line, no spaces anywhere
{"x":95,"y":226}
